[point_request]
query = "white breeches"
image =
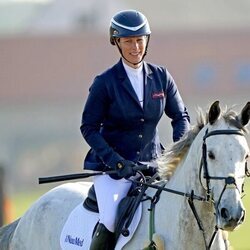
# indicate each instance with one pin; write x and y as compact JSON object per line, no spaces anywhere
{"x":109,"y":193}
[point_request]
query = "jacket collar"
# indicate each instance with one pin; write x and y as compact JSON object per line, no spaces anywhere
{"x":121,"y":73}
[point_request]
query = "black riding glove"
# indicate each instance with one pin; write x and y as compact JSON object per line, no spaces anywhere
{"x":125,"y":169}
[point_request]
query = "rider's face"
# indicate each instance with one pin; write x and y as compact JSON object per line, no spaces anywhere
{"x":133,"y":49}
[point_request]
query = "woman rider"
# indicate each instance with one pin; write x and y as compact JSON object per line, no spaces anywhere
{"x":120,"y":117}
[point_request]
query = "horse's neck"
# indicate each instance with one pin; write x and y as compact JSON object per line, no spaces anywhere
{"x":176,"y":217}
{"x":186,"y":179}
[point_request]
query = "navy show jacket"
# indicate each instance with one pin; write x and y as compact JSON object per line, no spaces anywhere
{"x":115,"y":125}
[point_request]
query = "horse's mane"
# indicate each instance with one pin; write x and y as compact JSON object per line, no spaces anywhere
{"x":175,"y":153}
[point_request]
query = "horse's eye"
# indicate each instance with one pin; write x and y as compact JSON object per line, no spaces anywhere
{"x":211,"y":155}
{"x":247,"y":170}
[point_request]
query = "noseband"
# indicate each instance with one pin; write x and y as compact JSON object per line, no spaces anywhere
{"x":229,"y":180}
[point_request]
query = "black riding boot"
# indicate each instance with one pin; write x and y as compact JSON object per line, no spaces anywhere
{"x":103,"y":239}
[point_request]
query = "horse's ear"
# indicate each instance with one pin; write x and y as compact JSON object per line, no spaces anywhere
{"x":214,"y":112}
{"x":245,"y":115}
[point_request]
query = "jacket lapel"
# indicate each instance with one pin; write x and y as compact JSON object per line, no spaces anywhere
{"x":147,"y":84}
{"x":125,"y":82}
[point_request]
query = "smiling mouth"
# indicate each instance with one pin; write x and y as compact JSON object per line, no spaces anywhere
{"x":135,"y":54}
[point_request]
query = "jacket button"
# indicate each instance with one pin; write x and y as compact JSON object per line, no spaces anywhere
{"x":119,"y":165}
{"x":142,"y":120}
{"x":140,"y":136}
{"x":137,"y":152}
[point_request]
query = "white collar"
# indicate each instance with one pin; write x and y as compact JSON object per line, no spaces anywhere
{"x":131,"y":70}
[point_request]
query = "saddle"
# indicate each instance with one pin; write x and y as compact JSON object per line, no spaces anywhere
{"x":126,"y":208}
{"x":90,"y":203}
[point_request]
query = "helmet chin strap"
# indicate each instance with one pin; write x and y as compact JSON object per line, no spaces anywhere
{"x":145,"y":53}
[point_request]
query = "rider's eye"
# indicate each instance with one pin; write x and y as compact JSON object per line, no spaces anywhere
{"x":211,"y":155}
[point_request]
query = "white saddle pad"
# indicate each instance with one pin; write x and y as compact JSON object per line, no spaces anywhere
{"x":77,"y":231}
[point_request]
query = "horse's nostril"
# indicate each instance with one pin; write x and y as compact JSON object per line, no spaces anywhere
{"x":242,"y":216}
{"x":224,"y":213}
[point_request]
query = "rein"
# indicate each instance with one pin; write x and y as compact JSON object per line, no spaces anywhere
{"x":189,"y":195}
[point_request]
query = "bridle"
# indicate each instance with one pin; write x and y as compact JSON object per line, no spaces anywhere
{"x":229,"y":180}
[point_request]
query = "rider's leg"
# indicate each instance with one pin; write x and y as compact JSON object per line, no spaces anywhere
{"x":109,"y":193}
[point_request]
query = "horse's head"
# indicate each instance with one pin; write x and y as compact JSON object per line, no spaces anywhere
{"x":223,"y":165}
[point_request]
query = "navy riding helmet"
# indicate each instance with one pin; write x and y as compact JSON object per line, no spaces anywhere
{"x":128,"y":23}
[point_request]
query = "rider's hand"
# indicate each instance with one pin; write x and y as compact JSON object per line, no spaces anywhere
{"x":125,"y":169}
